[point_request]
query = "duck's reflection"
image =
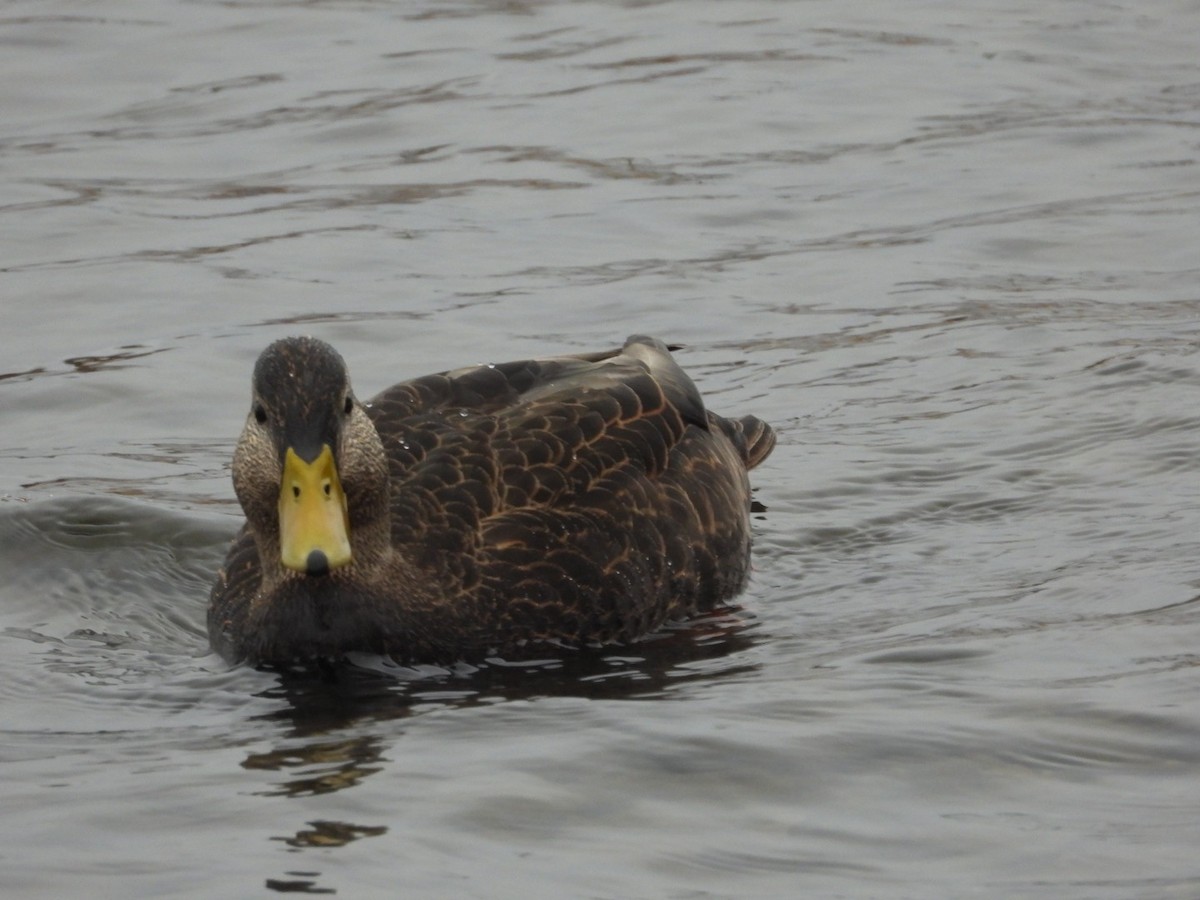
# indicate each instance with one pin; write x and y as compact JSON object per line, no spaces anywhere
{"x":317,"y":756}
{"x":323,"y":701}
{"x":331,"y":834}
{"x":323,"y":766}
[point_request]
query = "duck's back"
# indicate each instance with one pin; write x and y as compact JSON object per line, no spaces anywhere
{"x":576,"y":499}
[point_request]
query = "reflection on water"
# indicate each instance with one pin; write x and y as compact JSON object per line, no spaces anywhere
{"x":298,"y":885}
{"x":948,"y":251}
{"x":319,"y":701}
{"x":327,"y":766}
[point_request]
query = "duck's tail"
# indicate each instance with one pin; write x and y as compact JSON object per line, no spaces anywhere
{"x":753,"y":438}
{"x":760,"y":439}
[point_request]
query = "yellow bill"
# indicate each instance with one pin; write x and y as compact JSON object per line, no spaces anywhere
{"x":314,"y":527}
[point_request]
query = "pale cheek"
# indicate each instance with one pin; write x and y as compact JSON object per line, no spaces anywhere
{"x":363,"y":469}
{"x":256,"y":473}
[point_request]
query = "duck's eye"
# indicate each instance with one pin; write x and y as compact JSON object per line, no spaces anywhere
{"x":260,"y":414}
{"x":348,"y":407}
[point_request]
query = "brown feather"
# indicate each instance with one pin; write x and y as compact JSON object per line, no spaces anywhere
{"x":574,"y":500}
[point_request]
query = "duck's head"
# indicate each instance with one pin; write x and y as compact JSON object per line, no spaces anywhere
{"x":309,"y":469}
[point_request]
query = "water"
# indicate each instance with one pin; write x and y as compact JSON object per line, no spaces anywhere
{"x":948,"y":250}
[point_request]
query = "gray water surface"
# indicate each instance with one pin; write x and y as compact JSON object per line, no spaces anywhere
{"x":948,"y":250}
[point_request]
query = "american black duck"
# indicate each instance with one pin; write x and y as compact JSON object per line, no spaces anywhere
{"x":583,"y":499}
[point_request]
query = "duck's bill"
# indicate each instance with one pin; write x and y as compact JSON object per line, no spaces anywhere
{"x":314,"y":528}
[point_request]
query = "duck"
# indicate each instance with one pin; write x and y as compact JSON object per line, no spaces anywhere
{"x":489,"y":511}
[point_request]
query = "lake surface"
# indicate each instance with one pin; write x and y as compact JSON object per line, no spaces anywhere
{"x":949,"y":250}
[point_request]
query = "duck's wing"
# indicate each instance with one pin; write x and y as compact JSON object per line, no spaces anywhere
{"x":549,"y":407}
{"x":490,"y":388}
{"x":607,"y":470}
